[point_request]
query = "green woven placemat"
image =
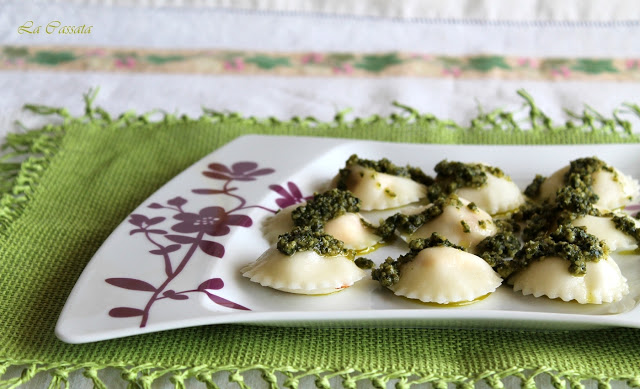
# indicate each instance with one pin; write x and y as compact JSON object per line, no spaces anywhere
{"x":80,"y":179}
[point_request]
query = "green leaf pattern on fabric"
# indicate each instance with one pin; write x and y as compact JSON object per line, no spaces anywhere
{"x":266,"y":62}
{"x":486,"y":63}
{"x":378,"y":63}
{"x":160,"y":60}
{"x":594,"y":66}
{"x":52,"y":57}
{"x":318,"y":63}
{"x":13,"y":52}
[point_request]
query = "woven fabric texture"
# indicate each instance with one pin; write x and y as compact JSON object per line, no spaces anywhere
{"x":77,"y":181}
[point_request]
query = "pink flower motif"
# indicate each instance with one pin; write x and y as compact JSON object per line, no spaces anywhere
{"x":345,"y":68}
{"x":452,"y":71}
{"x":312,"y":58}
{"x":633,"y":63}
{"x":239,"y":171}
{"x":236,"y":64}
{"x":289,"y":197}
{"x":126,"y":63}
{"x":528,"y":62}
{"x":96,"y":53}
{"x":19,"y":62}
{"x":214,"y":221}
{"x":632,"y":207}
{"x":348,"y":68}
{"x":563,"y":72}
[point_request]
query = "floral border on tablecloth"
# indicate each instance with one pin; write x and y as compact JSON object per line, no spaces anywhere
{"x":316,"y":64}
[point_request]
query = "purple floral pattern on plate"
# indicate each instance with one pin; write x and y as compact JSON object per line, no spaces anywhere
{"x":197,"y":231}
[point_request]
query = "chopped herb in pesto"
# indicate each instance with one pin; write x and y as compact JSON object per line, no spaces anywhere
{"x":585,"y":167}
{"x":577,"y":194}
{"x":388,"y":273}
{"x":453,"y":175}
{"x":533,"y":189}
{"x":504,"y":225}
{"x":382,"y":166}
{"x":304,"y":239}
{"x":364,"y":263}
{"x":465,"y":227}
{"x":410,"y":223}
{"x":324,"y":207}
{"x":571,"y":243}
{"x":626,"y":225}
{"x":497,"y":251}
{"x":539,"y":220}
{"x":472,"y":206}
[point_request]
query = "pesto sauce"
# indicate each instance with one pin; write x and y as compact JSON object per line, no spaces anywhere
{"x":626,"y":225}
{"x":585,"y":167}
{"x":506,"y":225}
{"x":324,"y":207}
{"x":382,"y":166}
{"x":533,"y":190}
{"x":410,"y":223}
{"x":539,"y":220}
{"x":364,"y":263}
{"x":577,"y":194}
{"x":571,"y":243}
{"x":454,"y":175}
{"x":305,"y":239}
{"x":497,"y":250}
{"x":546,"y":227}
{"x":388,"y":273}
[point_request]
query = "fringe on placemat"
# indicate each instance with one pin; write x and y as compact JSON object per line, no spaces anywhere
{"x":146,"y":376}
{"x":28,"y":153}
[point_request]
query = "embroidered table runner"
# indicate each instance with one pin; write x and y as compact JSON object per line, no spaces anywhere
{"x":78,"y":180}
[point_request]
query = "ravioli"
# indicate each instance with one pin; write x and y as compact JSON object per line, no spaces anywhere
{"x":278,"y":224}
{"x":446,"y":275}
{"x":498,"y":195}
{"x":602,"y":283}
{"x":459,"y":224}
{"x":349,"y":229}
{"x":551,"y":184}
{"x":605,"y":229}
{"x":378,"y":191}
{"x":614,"y":189}
{"x":304,"y":272}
